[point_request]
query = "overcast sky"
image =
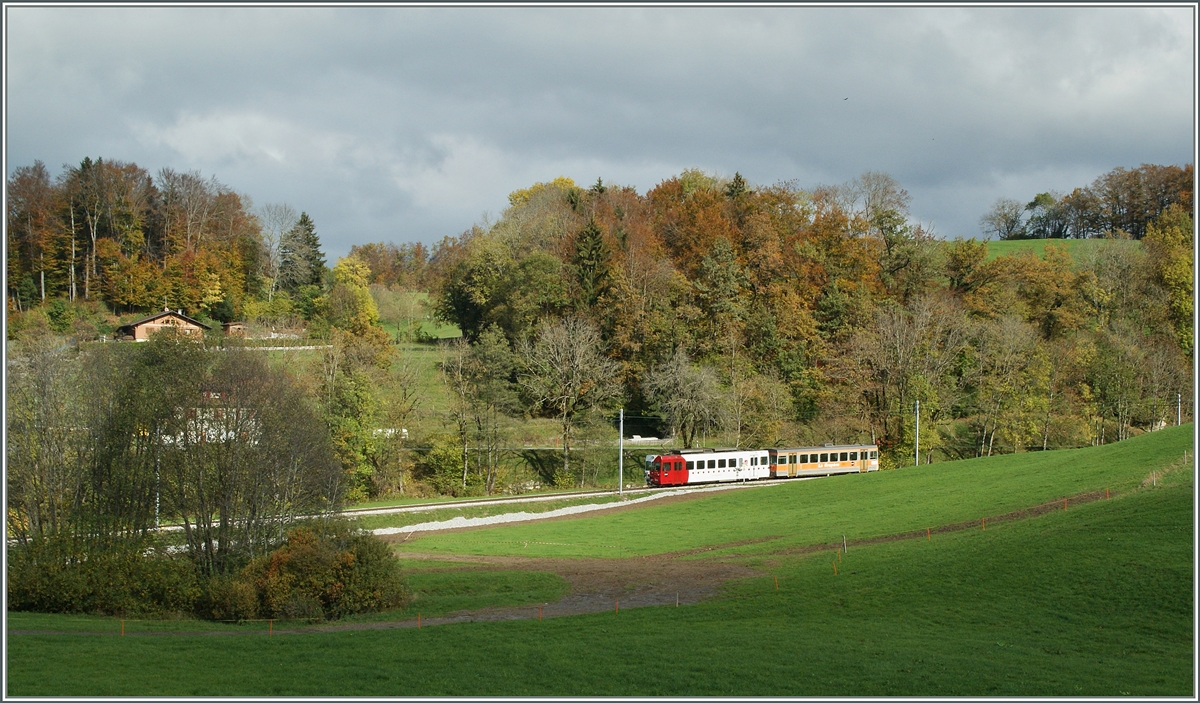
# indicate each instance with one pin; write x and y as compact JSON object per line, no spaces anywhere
{"x":408,"y":124}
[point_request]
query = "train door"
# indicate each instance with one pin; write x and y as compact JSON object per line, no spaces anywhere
{"x":862,"y":462}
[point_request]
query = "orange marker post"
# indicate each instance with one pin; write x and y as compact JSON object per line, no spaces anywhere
{"x":1064,"y":503}
{"x":983,"y":521}
{"x":539,"y":612}
{"x":271,"y":627}
{"x":776,"y":583}
{"x":927,"y":537}
{"x":418,"y":621}
{"x":1105,"y":494}
{"x":122,"y":628}
{"x":835,"y":568}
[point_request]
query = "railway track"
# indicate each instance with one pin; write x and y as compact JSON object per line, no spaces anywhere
{"x":509,"y":500}
{"x":426,"y":507}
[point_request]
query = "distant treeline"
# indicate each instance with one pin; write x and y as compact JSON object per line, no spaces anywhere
{"x":775,"y":314}
{"x":109,"y":231}
{"x":1122,"y":201}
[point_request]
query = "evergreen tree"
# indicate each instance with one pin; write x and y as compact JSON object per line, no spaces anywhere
{"x":736,"y":187}
{"x":591,"y":263}
{"x":303,"y":264}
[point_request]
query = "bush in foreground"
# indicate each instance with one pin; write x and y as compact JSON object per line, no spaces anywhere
{"x":134,"y":578}
{"x":321,"y":571}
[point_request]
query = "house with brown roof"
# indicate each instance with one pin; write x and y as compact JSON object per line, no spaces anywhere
{"x":140,"y":330}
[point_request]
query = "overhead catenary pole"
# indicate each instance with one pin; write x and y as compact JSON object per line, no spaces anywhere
{"x":1178,"y":409}
{"x":917,"y":437}
{"x":621,"y":457}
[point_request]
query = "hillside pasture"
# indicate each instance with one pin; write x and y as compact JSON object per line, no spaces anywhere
{"x":782,"y":515}
{"x":1092,"y":600}
{"x":1015,"y":247}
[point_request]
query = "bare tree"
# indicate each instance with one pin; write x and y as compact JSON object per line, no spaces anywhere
{"x":689,"y":396}
{"x":566,"y":373}
{"x":276,"y":221}
{"x":190,"y":202}
{"x":1004,"y":220}
{"x":247,"y":455}
{"x":456,"y":377}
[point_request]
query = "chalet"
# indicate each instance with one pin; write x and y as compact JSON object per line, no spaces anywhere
{"x":140,"y":330}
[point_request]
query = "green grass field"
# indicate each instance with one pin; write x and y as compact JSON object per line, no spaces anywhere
{"x":821,"y":510}
{"x":1014,"y":247}
{"x":1094,"y":600}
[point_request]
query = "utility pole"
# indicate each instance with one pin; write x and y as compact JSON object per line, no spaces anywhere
{"x":621,"y":457}
{"x":1178,"y":409}
{"x":917,"y":437}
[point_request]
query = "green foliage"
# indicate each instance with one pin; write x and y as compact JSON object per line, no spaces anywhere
{"x":322,"y":571}
{"x":1171,"y":240}
{"x":227,"y":597}
{"x":57,"y":575}
{"x":442,"y":466}
{"x":60,"y":314}
{"x":590,"y":263}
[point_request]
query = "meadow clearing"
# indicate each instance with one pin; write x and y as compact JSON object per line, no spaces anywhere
{"x":1093,"y":597}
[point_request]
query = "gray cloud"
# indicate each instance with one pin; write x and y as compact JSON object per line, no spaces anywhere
{"x":405,"y":124}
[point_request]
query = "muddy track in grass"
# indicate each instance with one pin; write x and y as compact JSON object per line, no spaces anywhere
{"x":600,"y":585}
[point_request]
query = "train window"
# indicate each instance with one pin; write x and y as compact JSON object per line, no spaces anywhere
{"x":803,"y":459}
{"x":853,"y":456}
{"x":843,"y":456}
{"x":712,"y":463}
{"x":691,"y":465}
{"x":754,"y":461}
{"x":824,"y":457}
{"x":874,"y":455}
{"x":720,"y":463}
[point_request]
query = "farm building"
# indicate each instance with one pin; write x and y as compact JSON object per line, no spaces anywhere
{"x":140,"y":330}
{"x":234,"y":329}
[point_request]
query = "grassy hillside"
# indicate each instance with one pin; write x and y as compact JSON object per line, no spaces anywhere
{"x":1095,"y":600}
{"x":822,"y":510}
{"x":1074,"y":247}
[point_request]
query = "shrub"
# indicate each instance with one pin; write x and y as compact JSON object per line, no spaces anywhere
{"x":227,"y":597}
{"x":327,"y":570}
{"x":57,"y":576}
{"x":322,"y":571}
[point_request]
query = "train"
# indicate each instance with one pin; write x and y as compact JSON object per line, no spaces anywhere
{"x":684,"y":467}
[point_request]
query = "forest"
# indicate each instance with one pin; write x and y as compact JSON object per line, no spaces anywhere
{"x":712,"y":310}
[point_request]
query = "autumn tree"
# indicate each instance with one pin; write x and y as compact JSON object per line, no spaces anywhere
{"x":31,"y":227}
{"x":1170,"y":242}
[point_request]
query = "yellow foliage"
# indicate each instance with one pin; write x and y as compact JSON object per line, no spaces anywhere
{"x":524,"y":195}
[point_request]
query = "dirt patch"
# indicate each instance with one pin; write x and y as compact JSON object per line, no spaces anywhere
{"x":605,"y":584}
